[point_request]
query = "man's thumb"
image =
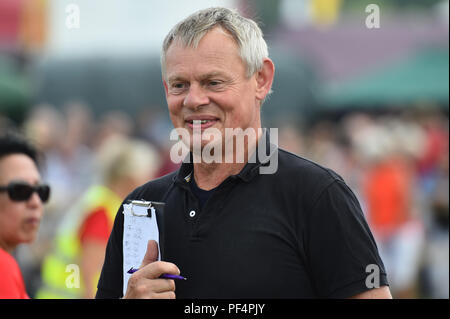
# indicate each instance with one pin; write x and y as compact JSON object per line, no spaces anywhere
{"x":151,"y":255}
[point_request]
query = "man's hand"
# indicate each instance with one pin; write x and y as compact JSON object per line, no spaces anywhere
{"x":146,"y":284}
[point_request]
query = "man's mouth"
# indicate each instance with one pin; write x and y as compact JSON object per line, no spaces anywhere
{"x":201,"y":123}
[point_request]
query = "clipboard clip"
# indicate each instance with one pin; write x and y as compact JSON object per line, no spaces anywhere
{"x":149,"y":205}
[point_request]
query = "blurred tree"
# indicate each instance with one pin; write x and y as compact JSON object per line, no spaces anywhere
{"x":265,"y":12}
{"x":14,"y":90}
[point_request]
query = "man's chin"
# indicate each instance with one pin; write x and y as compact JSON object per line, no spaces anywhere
{"x":205,"y":144}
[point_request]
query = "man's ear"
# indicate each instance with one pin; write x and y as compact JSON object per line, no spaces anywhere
{"x":264,"y":79}
{"x":165,"y":85}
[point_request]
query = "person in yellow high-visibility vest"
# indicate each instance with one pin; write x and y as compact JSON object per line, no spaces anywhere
{"x":72,"y":268}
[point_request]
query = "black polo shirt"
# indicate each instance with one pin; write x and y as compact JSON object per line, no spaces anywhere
{"x":297,"y":233}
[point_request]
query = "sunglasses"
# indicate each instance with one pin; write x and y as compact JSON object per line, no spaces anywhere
{"x":19,"y":191}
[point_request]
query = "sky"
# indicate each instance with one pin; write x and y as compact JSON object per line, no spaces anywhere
{"x":116,"y":27}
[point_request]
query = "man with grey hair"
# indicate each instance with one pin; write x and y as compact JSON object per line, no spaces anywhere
{"x":234,"y":229}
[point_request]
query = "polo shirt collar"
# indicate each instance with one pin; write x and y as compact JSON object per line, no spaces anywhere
{"x":250,"y":170}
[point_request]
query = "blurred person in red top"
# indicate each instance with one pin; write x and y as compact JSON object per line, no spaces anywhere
{"x":21,"y":208}
{"x":389,"y":191}
{"x":123,"y":164}
{"x":127,"y":164}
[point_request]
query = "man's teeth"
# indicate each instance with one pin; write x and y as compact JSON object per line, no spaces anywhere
{"x":201,"y":121}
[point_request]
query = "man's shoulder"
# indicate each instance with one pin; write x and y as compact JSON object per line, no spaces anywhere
{"x":306,"y":180}
{"x":155,"y":189}
{"x":307,"y":170}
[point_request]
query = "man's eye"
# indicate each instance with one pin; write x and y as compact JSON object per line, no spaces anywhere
{"x":215,"y":83}
{"x":178,"y":85}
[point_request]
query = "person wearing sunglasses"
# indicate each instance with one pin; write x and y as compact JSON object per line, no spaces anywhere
{"x":22,"y":196}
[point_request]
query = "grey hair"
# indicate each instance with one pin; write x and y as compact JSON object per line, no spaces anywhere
{"x":246,"y":33}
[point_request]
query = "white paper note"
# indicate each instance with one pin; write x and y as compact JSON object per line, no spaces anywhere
{"x":137,"y":231}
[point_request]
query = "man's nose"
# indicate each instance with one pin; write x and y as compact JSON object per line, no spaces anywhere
{"x":195,"y":97}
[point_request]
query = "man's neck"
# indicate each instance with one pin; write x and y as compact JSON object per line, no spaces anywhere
{"x":210,"y":175}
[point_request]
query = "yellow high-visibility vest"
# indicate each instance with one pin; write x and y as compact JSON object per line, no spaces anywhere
{"x":60,"y":269}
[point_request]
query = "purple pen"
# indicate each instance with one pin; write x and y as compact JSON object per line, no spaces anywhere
{"x":163,"y":276}
{"x":169,"y":276}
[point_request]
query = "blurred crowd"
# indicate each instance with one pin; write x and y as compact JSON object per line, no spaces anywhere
{"x":396,"y":163}
{"x":81,"y":153}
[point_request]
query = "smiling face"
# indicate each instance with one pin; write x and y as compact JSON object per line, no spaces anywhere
{"x":209,"y":84}
{"x":19,"y":221}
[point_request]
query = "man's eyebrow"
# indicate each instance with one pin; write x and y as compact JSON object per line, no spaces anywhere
{"x":175,"y":79}
{"x":209,"y":75}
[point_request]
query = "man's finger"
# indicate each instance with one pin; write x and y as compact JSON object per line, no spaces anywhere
{"x":151,"y":254}
{"x":163,"y":285}
{"x":165,"y":295}
{"x":156,"y":269}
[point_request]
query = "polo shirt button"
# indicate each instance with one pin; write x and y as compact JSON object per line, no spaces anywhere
{"x":192,"y":213}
